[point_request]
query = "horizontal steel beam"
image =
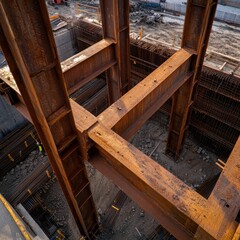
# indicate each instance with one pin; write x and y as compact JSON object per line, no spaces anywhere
{"x":177,"y":207}
{"x":173,"y":203}
{"x":129,"y":113}
{"x":177,"y":204}
{"x":88,"y":64}
{"x":145,"y":202}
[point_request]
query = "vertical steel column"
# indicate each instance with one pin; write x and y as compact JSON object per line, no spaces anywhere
{"x":28,"y":44}
{"x":115,"y":22}
{"x":197,"y":27}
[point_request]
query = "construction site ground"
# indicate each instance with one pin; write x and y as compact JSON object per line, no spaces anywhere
{"x":195,"y":166}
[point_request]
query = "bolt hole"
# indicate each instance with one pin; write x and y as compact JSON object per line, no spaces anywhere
{"x":238,"y":217}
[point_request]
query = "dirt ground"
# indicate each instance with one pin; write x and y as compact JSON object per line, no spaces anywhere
{"x":56,"y":203}
{"x":195,"y":164}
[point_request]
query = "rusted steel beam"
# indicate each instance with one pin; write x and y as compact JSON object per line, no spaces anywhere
{"x":237,"y":234}
{"x":197,"y":27}
{"x":84,"y":120}
{"x":175,"y":202}
{"x":147,"y":182}
{"x":25,"y":25}
{"x":128,"y":114}
{"x":224,"y":201}
{"x":89,"y":63}
{"x":177,"y":207}
{"x":144,"y":201}
{"x":115,"y":23}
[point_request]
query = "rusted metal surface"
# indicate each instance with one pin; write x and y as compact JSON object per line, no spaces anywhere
{"x":141,"y":198}
{"x":118,"y":77}
{"x":90,"y":62}
{"x":176,"y":206}
{"x":169,"y":196}
{"x":237,"y":233}
{"x":129,"y":113}
{"x":25,"y":25}
{"x":225,"y":219}
{"x":217,"y":95}
{"x":197,"y":27}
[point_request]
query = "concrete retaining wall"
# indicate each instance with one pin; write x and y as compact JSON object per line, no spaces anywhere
{"x":175,"y":7}
{"x":231,"y":3}
{"x":65,"y":42}
{"x":232,"y":18}
{"x":227,"y":17}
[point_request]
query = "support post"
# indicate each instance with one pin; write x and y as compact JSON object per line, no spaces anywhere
{"x":197,"y":27}
{"x":91,"y":62}
{"x":25,"y":26}
{"x":115,"y":23}
{"x":127,"y":115}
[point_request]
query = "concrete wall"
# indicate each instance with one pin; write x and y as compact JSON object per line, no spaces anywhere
{"x":66,"y":43}
{"x":10,"y":118}
{"x":228,"y":17}
{"x":175,"y":7}
{"x":231,"y":3}
{"x":221,"y":15}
